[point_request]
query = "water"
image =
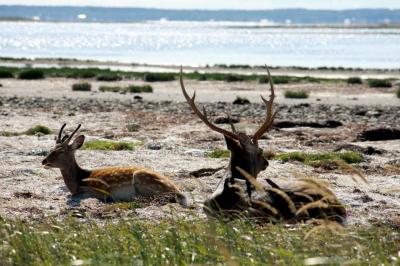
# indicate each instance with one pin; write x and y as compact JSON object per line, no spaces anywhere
{"x":201,"y":43}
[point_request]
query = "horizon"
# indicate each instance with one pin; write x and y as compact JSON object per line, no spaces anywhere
{"x":203,"y":9}
{"x":252,"y":5}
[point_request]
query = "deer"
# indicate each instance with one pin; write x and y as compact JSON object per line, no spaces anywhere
{"x":306,"y":199}
{"x":115,"y":183}
{"x":245,"y":150}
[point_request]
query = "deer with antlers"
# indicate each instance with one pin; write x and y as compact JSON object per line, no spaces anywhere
{"x":245,"y":151}
{"x":308,"y":199}
{"x":117,"y":183}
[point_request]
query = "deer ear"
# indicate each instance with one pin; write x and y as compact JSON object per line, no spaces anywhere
{"x":231,"y":144}
{"x":78,"y":142}
{"x":245,"y":141}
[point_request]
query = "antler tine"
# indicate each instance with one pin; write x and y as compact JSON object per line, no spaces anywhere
{"x":73,"y":133}
{"x":270,"y":115}
{"x":203,"y":116}
{"x":58,"y":140}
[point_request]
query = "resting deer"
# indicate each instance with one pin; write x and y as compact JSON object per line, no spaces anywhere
{"x":245,"y":152}
{"x":306,"y":199}
{"x":117,"y":183}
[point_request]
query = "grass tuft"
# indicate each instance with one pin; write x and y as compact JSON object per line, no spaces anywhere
{"x":111,"y":89}
{"x":38,"y":129}
{"x":218,"y":153}
{"x":319,"y":159}
{"x":106,"y":145}
{"x":379,"y":83}
{"x":140,"y":88}
{"x":83,"y":86}
{"x":9,"y":133}
{"x":31,"y":74}
{"x":354,"y":80}
{"x":296,"y":94}
{"x":153,"y":77}
{"x":6,"y":74}
{"x":108,"y":77}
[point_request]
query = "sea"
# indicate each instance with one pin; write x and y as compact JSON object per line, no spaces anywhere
{"x":201,"y":43}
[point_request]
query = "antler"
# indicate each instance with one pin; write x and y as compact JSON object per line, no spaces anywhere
{"x":203,"y":115}
{"x":270,"y":116}
{"x":59,"y":140}
{"x":67,"y":138}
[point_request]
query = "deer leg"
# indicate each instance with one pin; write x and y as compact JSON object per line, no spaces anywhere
{"x":249,"y":188}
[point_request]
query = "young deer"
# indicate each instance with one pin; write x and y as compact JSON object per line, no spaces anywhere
{"x":245,"y":152}
{"x":117,"y":183}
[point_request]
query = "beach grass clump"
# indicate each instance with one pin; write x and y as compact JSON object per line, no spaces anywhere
{"x":31,"y":74}
{"x":82,"y":73}
{"x":318,"y":159}
{"x":234,"y":78}
{"x":38,"y":129}
{"x":140,"y":89}
{"x":131,"y":241}
{"x":379,"y":83}
{"x":9,"y":133}
{"x":296,"y":94}
{"x":162,"y":77}
{"x":218,"y":153}
{"x":398,"y":92}
{"x":354,"y":80}
{"x":108,"y":76}
{"x":82,"y":86}
{"x":111,"y":89}
{"x":6,"y":74}
{"x":107,"y":145}
{"x":275,"y":79}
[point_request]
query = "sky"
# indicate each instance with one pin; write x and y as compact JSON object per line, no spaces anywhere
{"x":218,"y":4}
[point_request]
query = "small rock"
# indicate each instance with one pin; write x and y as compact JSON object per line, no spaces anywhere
{"x":241,"y":101}
{"x":132,"y":127}
{"x":137,"y":97}
{"x":37,"y":153}
{"x":154,"y":146}
{"x":225,"y":120}
{"x":196,"y":152}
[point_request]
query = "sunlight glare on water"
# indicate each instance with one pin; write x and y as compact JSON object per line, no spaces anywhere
{"x":201,"y":43}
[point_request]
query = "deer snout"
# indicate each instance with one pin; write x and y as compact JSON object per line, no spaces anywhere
{"x":44,"y":162}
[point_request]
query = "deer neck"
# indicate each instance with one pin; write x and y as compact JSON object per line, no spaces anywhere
{"x":73,"y":175}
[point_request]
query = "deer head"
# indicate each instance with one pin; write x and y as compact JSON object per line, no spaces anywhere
{"x":245,"y":151}
{"x":62,"y":156}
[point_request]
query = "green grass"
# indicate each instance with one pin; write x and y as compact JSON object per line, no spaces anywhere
{"x":111,"y":89}
{"x":69,"y":72}
{"x":275,"y":79}
{"x":153,"y":77}
{"x":110,"y":76}
{"x":9,"y":133}
{"x":398,"y":92}
{"x":354,"y":80}
{"x":195,"y":242}
{"x":6,"y":74}
{"x":379,"y":83}
{"x":83,"y":86}
{"x":140,"y":88}
{"x":318,"y":159}
{"x":31,"y":74}
{"x":296,"y":94}
{"x":38,"y":129}
{"x":82,"y":73}
{"x":107,"y":145}
{"x":219,"y":153}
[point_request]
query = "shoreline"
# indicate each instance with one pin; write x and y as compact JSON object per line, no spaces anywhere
{"x":294,"y":71}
